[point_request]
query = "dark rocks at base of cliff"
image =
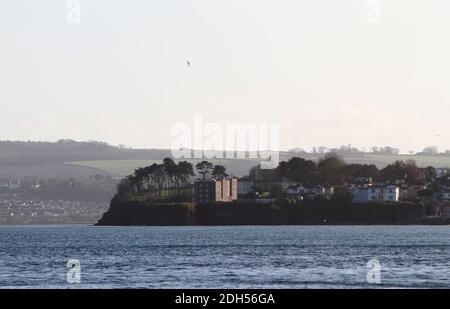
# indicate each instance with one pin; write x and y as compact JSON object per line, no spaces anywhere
{"x":242,"y":213}
{"x":139,"y":213}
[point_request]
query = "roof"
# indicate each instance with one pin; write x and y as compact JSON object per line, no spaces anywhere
{"x":245,"y":179}
{"x":204,"y":180}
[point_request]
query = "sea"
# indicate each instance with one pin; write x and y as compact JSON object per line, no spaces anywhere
{"x":255,"y":257}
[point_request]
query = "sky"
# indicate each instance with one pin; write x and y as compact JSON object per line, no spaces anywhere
{"x":361,"y":72}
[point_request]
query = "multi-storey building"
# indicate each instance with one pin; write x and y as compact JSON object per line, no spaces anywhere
{"x":215,"y":190}
{"x":375,"y":194}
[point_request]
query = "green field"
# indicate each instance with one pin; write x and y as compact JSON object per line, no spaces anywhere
{"x":120,"y":168}
{"x":116,"y":168}
{"x":421,"y":160}
{"x":237,"y":167}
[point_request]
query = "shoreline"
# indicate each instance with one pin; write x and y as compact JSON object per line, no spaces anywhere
{"x":316,"y":213}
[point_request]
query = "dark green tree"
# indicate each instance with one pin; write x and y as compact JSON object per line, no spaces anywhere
{"x":219,"y":171}
{"x":330,"y":169}
{"x":276,"y":192}
{"x":204,"y":168}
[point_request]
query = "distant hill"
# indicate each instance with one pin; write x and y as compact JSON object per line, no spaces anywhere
{"x":40,"y":153}
{"x":68,"y":158}
{"x":380,"y":160}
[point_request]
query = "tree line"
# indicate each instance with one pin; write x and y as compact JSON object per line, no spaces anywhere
{"x":351,"y":150}
{"x":170,"y":180}
{"x":333,"y":170}
{"x":167,"y":180}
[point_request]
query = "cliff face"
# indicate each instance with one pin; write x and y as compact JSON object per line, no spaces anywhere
{"x":239,"y":213}
{"x":139,"y":213}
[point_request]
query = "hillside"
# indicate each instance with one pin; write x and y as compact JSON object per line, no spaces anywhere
{"x":68,"y":158}
{"x":120,"y":168}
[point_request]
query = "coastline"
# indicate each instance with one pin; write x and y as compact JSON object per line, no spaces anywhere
{"x":134,"y":213}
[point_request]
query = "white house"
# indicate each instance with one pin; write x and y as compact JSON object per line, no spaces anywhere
{"x":375,"y":194}
{"x":445,"y":194}
{"x":311,"y":192}
{"x":441,"y":171}
{"x":391,"y":194}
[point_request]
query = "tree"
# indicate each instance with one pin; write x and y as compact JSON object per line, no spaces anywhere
{"x":158,"y":181}
{"x":346,"y":149}
{"x":276,"y":192}
{"x":430,"y":173}
{"x":352,"y":171}
{"x":330,"y":169}
{"x":386,"y":150}
{"x":430,"y":150}
{"x":425,"y":193}
{"x":219,"y":171}
{"x":401,"y":170}
{"x":204,"y":168}
{"x":297,"y":150}
{"x":297,"y":170}
{"x":322,"y":149}
{"x":186,"y":170}
{"x":369,"y":170}
{"x":258,"y":174}
{"x":172,"y":174}
{"x":124,"y":187}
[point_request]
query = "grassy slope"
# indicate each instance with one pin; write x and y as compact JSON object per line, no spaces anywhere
{"x":382,"y":160}
{"x":120,"y":168}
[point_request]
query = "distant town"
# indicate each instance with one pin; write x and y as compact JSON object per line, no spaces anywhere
{"x":55,"y":201}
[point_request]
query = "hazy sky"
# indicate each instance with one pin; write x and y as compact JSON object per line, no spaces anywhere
{"x":319,"y":68}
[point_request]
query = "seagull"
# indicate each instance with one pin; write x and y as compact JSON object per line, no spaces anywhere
{"x":188,"y":63}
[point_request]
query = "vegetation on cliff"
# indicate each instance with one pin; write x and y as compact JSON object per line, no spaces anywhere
{"x":161,"y":194}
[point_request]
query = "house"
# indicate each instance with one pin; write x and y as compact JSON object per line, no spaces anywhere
{"x":310,"y":192}
{"x":14,"y":186}
{"x":375,"y":194}
{"x":391,"y":194}
{"x":362,"y":181}
{"x":215,"y":190}
{"x":445,"y":194}
{"x":244,"y":186}
{"x":325,"y":191}
{"x":316,"y":190}
{"x":360,"y":194}
{"x":328,"y":191}
{"x":442,"y":171}
{"x":295,"y":190}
